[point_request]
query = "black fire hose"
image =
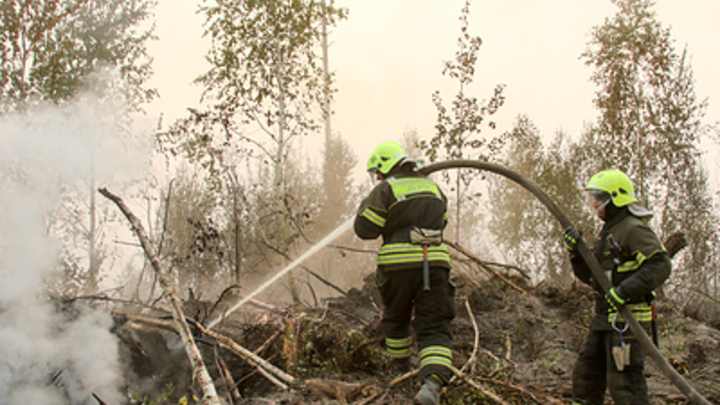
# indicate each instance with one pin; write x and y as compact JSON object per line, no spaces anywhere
{"x":589,"y":258}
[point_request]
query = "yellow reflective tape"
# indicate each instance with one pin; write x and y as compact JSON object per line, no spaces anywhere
{"x":399,"y":343}
{"x":373,"y":217}
{"x":412,"y":259}
{"x":402,"y":188}
{"x":436,"y":350}
{"x":409,"y":253}
{"x":642,"y":312}
{"x":436,"y":355}
{"x":628,"y":266}
{"x":639,"y":260}
{"x":441,"y":361}
{"x":410,"y":248}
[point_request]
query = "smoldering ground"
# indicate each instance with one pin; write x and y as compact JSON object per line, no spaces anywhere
{"x":50,"y":355}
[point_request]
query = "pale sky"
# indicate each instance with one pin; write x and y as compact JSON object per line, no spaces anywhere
{"x":388,"y":58}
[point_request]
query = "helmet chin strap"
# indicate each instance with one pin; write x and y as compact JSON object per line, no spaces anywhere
{"x":603,"y":205}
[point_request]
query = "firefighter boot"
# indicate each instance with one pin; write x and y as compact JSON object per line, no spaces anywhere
{"x":429,"y":393}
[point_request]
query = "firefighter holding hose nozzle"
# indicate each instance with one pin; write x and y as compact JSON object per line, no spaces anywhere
{"x":636,"y":263}
{"x":409,"y":211}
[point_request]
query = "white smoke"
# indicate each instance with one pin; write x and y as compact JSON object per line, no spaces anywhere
{"x":48,"y":356}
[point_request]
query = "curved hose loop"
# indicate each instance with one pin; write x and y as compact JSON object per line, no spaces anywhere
{"x":589,"y":258}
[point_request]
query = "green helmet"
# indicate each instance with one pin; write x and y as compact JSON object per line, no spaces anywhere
{"x":616,"y":183}
{"x":386,"y":156}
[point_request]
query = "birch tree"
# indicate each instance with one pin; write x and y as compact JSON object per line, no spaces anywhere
{"x":650,"y":126}
{"x":459,"y":127}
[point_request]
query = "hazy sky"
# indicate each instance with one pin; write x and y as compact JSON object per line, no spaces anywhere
{"x":388,"y":58}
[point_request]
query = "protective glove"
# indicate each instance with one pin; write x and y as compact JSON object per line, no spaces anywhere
{"x":570,"y":238}
{"x":615,"y":298}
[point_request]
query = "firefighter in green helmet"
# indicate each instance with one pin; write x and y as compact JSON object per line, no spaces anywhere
{"x":409,"y":211}
{"x":636,"y":263}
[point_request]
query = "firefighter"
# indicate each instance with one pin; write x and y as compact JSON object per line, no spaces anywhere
{"x":636,"y":263}
{"x":409,"y":211}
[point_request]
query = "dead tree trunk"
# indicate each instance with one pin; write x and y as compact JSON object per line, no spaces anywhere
{"x":200,"y":373}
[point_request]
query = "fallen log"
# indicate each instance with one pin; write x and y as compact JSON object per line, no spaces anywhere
{"x":200,"y":373}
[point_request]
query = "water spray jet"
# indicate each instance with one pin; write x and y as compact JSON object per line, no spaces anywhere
{"x":310,"y":252}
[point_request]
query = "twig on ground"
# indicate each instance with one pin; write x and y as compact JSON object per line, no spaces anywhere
{"x":404,"y":377}
{"x":508,"y":347}
{"x":227,"y":376}
{"x":469,"y":381}
{"x":521,"y":389}
{"x":97,"y":398}
{"x":260,"y":350}
{"x":476,"y":341}
{"x":249,"y":356}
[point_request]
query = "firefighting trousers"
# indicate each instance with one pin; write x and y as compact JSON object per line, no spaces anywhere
{"x":596,"y":370}
{"x":402,"y":291}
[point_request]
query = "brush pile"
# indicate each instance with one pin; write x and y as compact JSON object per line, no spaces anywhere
{"x":510,"y":348}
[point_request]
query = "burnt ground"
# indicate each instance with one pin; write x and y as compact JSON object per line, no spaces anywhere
{"x":526,"y":348}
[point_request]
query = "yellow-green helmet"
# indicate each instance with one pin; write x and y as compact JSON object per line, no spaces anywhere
{"x":616,"y":183}
{"x":386,"y":156}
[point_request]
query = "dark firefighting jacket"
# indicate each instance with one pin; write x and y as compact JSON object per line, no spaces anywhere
{"x":404,"y":201}
{"x":633,"y":257}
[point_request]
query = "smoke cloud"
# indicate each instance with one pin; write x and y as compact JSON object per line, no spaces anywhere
{"x":49,"y":355}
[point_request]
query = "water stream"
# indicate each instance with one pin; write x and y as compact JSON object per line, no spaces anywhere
{"x":314,"y":249}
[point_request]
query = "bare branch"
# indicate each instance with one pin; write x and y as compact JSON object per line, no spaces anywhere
{"x":484,"y":266}
{"x":200,"y":372}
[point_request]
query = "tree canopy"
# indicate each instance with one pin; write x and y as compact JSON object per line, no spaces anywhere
{"x":50,"y":49}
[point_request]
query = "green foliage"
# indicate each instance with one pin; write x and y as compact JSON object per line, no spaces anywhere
{"x":524,"y":229}
{"x":323,"y":345}
{"x":51,"y":49}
